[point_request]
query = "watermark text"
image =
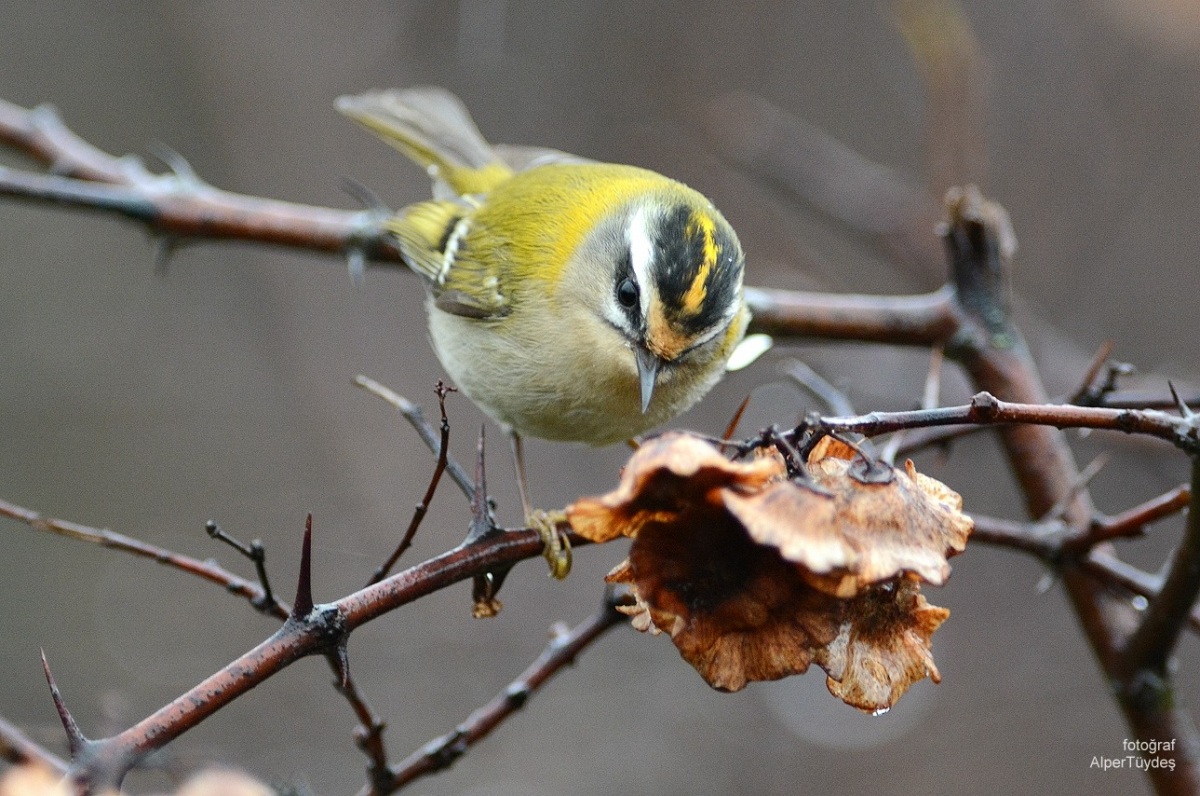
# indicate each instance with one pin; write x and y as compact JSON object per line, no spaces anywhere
{"x":1140,"y":755}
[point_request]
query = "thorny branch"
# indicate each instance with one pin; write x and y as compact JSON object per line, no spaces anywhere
{"x":18,"y":748}
{"x":969,"y":318}
{"x":986,"y":410}
{"x":369,"y":735}
{"x":317,"y":630}
{"x":994,"y":355}
{"x":105,"y":761}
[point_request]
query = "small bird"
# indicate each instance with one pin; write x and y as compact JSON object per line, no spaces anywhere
{"x":569,"y":299}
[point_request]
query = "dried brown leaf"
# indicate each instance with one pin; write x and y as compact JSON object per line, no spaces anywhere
{"x":663,"y":476}
{"x":735,"y":610}
{"x":754,"y":576}
{"x":850,"y":532}
{"x":883,"y":646}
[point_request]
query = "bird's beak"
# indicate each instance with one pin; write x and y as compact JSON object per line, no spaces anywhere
{"x":647,"y":365}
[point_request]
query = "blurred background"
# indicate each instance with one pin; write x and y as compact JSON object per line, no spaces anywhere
{"x":149,"y":404}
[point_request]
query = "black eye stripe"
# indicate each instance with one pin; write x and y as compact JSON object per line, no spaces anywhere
{"x":627,"y":293}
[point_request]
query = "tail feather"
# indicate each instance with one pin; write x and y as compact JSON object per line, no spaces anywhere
{"x":433,"y":128}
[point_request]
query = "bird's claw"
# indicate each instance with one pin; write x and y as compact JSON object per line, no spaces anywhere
{"x":557,"y":551}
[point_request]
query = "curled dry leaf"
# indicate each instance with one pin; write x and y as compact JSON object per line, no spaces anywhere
{"x":856,"y":528}
{"x":754,"y":576}
{"x":882,"y":646}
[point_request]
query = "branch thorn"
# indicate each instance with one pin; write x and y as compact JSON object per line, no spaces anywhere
{"x":482,"y":522}
{"x":736,"y":419}
{"x":1184,"y":410}
{"x":485,"y":586}
{"x":179,"y":166}
{"x":76,"y":740}
{"x":303,"y":604}
{"x":341,"y":661}
{"x":1085,"y":477}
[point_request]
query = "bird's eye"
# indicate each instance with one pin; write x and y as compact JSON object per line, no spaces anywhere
{"x":627,"y":293}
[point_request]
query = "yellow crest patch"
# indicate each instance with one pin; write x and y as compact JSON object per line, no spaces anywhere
{"x":701,"y":225}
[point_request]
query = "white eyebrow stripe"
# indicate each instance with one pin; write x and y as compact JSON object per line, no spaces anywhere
{"x":641,"y":256}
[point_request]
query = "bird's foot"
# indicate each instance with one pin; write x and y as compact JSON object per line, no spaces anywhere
{"x":557,"y":550}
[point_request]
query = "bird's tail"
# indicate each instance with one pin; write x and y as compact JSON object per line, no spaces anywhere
{"x":433,"y":128}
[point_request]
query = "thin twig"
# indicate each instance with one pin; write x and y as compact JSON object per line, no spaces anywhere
{"x":1088,"y":393}
{"x":1153,"y":642}
{"x":1133,"y":522}
{"x":1040,"y":539}
{"x":1129,"y":577}
{"x":257,"y":553}
{"x":931,"y":395}
{"x":1146,"y":399}
{"x":443,"y":454}
{"x":416,"y":418}
{"x":208,"y":570}
{"x":1082,"y":481}
{"x":442,"y":752}
{"x":930,"y":398}
{"x":368,"y":736}
{"x":919,"y":439}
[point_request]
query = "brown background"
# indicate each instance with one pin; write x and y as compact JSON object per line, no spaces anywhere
{"x":222,"y":390}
